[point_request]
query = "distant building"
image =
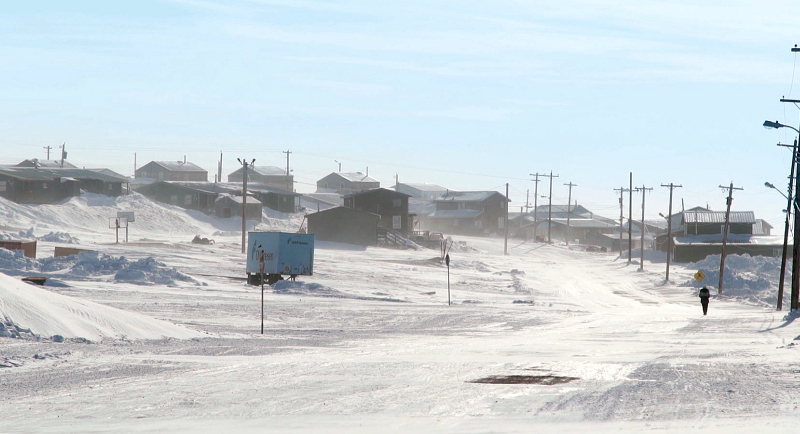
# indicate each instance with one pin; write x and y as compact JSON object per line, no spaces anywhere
{"x":421,"y":191}
{"x":48,"y":185}
{"x":49,"y":164}
{"x":201,"y":196}
{"x":391,"y":205}
{"x":347,"y":183}
{"x":267,"y":175}
{"x":226,"y":206}
{"x":172,"y":171}
{"x":470,"y":213}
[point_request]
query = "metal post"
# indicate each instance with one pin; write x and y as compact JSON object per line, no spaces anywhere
{"x":447,"y":261}
{"x":244,"y":205}
{"x":505,"y":224}
{"x":796,"y":248}
{"x":630,"y":219}
{"x":786,"y":228}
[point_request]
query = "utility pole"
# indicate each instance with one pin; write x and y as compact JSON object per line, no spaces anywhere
{"x":527,"y":200}
{"x":219,"y":168}
{"x":669,"y":224}
{"x":725,"y":233}
{"x":622,"y":191}
{"x":550,"y":208}
{"x":63,"y":153}
{"x":786,"y":226}
{"x":643,"y":190}
{"x":289,"y":187}
{"x":134,"y":165}
{"x":569,"y":205}
{"x":505,"y":224}
{"x":48,"y":147}
{"x":536,"y":204}
{"x":244,"y":199}
{"x":630,"y":219}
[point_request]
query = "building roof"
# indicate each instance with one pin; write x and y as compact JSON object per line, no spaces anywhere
{"x":238,"y":199}
{"x":341,"y":209}
{"x":379,"y":190}
{"x":228,"y":187}
{"x":433,"y":188}
{"x":354,"y":176}
{"x":456,"y":214}
{"x":46,"y":174}
{"x":46,"y":163}
{"x":179,"y":166}
{"x":732,"y":239}
{"x":468,"y":196}
{"x":111,"y":173}
{"x":719,"y":217}
{"x":262,"y":170}
{"x":584,"y":223}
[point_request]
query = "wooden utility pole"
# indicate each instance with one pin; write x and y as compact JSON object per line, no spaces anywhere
{"x":622,"y":191}
{"x":244,"y":200}
{"x":550,"y":208}
{"x":643,"y":190}
{"x":725,"y":232}
{"x":669,"y":224}
{"x":63,"y":153}
{"x":288,"y":183}
{"x":48,"y":147}
{"x":505,"y":224}
{"x":789,"y":211}
{"x":527,"y":200}
{"x":536,"y":204}
{"x":630,"y":219}
{"x":569,"y":206}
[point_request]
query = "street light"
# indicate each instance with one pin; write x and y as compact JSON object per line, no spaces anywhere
{"x":340,"y":164}
{"x":768,"y":185}
{"x":770,"y":125}
{"x":244,"y":198}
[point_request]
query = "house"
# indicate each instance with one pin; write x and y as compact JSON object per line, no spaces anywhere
{"x":271,"y":197}
{"x":227,"y":206}
{"x":201,"y":196}
{"x":391,"y":205}
{"x":48,"y":185}
{"x":172,"y":171}
{"x":344,"y":225}
{"x":583,"y":231}
{"x":469,"y":213}
{"x":762,"y":227}
{"x":421,"y":191}
{"x":266,"y":175}
{"x":536,"y":224}
{"x":347,"y":183}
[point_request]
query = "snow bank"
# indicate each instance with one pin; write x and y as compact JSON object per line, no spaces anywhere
{"x":93,"y":264}
{"x":32,"y":309}
{"x":748,"y":278}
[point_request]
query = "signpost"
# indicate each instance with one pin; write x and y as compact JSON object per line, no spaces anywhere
{"x":261,"y":272}
{"x":447,"y":261}
{"x":699,"y":275}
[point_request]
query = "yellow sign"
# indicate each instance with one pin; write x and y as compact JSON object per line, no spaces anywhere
{"x":699,"y":276}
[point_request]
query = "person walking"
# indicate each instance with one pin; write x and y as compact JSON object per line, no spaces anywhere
{"x":705,"y":294}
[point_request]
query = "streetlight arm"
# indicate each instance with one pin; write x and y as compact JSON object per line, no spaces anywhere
{"x":776,"y":124}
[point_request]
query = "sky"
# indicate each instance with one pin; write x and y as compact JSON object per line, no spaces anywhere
{"x":467,"y":95}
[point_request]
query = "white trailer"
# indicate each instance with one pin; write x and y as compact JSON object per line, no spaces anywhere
{"x":277,"y":254}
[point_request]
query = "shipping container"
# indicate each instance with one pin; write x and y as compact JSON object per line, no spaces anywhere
{"x":284,"y":254}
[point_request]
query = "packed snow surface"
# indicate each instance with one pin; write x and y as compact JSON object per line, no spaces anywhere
{"x":544,"y":339}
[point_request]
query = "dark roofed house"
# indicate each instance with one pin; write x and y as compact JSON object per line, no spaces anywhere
{"x":347,"y":182}
{"x":267,"y":175}
{"x":172,"y":171}
{"x":392,"y":206}
{"x":469,"y":213}
{"x":50,"y":164}
{"x":227,"y":206}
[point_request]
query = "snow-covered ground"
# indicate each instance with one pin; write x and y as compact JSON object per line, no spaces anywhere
{"x":162,"y":335}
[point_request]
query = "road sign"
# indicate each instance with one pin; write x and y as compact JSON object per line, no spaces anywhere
{"x":699,"y":275}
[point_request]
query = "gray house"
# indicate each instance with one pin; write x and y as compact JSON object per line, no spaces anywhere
{"x":421,"y":191}
{"x":347,"y":183}
{"x":267,"y":175}
{"x":469,"y":213}
{"x":344,"y":225}
{"x":227,"y":206}
{"x":172,"y":171}
{"x":49,"y":185}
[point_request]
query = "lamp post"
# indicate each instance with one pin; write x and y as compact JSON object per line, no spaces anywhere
{"x":340,"y":164}
{"x":796,"y":241}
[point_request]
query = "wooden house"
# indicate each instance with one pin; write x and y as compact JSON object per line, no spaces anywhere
{"x":172,"y":171}
{"x":391,"y":205}
{"x":50,"y":185}
{"x":469,"y":213}
{"x":421,"y":191}
{"x":347,"y":183}
{"x":344,"y":225}
{"x":226,"y":206}
{"x":266,"y":175}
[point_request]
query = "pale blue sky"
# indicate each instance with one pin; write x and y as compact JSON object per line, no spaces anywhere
{"x":468,"y":95}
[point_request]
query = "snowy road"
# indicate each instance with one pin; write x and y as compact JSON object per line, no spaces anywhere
{"x":369,"y":343}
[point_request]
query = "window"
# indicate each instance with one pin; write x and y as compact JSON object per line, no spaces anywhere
{"x":341,"y":186}
{"x":397,"y":222}
{"x":187,"y":200}
{"x":160,"y":175}
{"x":462,"y":205}
{"x":3,"y":185}
{"x":110,"y":187}
{"x":501,"y":222}
{"x":324,"y":185}
{"x":44,"y":186}
{"x":173,"y":198}
{"x":396,"y":203}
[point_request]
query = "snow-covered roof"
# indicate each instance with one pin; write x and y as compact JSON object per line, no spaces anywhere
{"x":262,"y":170}
{"x":179,"y":166}
{"x":44,"y":173}
{"x":238,"y":199}
{"x":719,"y":217}
{"x":584,"y":223}
{"x":46,"y":163}
{"x":468,"y":196}
{"x":424,"y":187}
{"x":355,"y":176}
{"x":456,"y":214}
